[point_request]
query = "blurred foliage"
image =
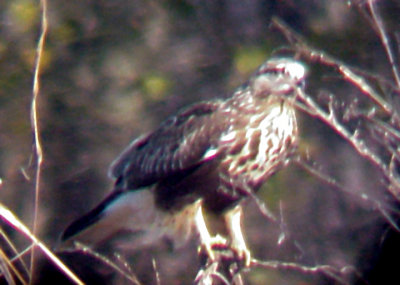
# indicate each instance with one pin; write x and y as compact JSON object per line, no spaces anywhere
{"x":113,"y":70}
{"x":156,"y":86}
{"x":24,"y":15}
{"x":248,"y":58}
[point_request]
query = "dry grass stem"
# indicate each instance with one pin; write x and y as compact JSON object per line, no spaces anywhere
{"x":35,"y":124}
{"x":12,"y":220}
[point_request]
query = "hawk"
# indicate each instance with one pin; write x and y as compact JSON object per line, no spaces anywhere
{"x":210,"y":156}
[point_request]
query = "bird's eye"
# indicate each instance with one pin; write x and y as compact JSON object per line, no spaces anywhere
{"x":271,"y":70}
{"x":277,"y":71}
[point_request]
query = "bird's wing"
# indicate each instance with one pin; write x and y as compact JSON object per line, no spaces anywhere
{"x":178,"y":146}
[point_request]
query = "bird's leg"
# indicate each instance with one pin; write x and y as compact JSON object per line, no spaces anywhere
{"x":233,"y":223}
{"x":206,"y":240}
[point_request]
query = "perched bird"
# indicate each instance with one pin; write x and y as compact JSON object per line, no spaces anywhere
{"x":209,"y":156}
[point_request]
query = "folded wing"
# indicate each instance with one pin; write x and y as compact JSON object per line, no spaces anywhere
{"x":178,"y":145}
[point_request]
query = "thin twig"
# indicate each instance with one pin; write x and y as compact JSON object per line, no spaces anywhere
{"x":314,"y":54}
{"x":35,"y":125}
{"x":385,"y":40}
{"x":80,"y":247}
{"x":155,"y":268}
{"x":384,"y":210}
{"x":359,"y":145}
{"x":17,"y":256}
{"x":395,"y":133}
{"x":327,"y":270}
{"x":207,"y":275}
{"x":7,"y":264}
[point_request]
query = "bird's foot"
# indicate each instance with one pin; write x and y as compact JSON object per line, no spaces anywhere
{"x":218,"y":248}
{"x":241,"y":251}
{"x":211,"y":244}
{"x":238,"y":244}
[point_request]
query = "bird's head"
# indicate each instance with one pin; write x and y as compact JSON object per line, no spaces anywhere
{"x":278,"y":76}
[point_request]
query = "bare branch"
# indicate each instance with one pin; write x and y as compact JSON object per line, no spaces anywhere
{"x":384,"y":210}
{"x":125,"y":272}
{"x":359,"y":145}
{"x":327,"y":270}
{"x":154,"y":263}
{"x":385,"y":40}
{"x":303,"y":49}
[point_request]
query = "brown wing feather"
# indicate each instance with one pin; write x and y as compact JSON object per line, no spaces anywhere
{"x":177,"y":146}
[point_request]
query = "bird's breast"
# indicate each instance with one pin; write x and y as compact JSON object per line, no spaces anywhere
{"x":258,"y":145}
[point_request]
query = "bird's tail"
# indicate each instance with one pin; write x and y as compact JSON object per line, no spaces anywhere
{"x":132,"y":212}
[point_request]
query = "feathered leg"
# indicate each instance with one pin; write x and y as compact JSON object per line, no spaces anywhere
{"x":206,"y":240}
{"x":233,"y":223}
